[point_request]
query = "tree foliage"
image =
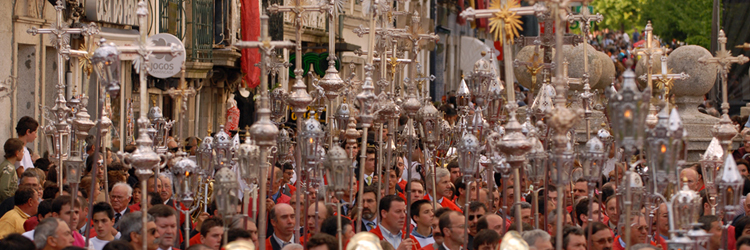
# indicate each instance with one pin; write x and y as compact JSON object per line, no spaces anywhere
{"x":684,"y":20}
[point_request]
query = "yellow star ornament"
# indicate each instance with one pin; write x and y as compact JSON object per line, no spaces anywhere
{"x":505,"y":20}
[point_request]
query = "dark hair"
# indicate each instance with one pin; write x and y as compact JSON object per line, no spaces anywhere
{"x":236,"y":233}
{"x":385,"y":202}
{"x":322,"y":239}
{"x":23,"y":195}
{"x":155,"y":199}
{"x":482,"y":222}
{"x":706,"y":220}
{"x":416,"y":207}
{"x":42,"y":163}
{"x":370,"y":189}
{"x":607,"y":191}
{"x":475,"y":205}
{"x":196,"y":247}
{"x":61,"y":201}
{"x":210,"y":223}
{"x":485,"y":237}
{"x":440,"y":211}
{"x":525,"y":226}
{"x":329,"y":225}
{"x":567,"y":231}
{"x":50,"y":191}
{"x":73,"y":248}
{"x":118,"y":245}
{"x":743,"y":241}
{"x":17,"y":242}
{"x":26,"y":124}
{"x":595,"y":227}
{"x":12,"y":146}
{"x":452,"y":164}
{"x":44,"y":208}
{"x":103,"y":207}
{"x":582,"y":208}
{"x":287,"y":166}
{"x":90,"y":163}
{"x":162,"y":211}
{"x":445,"y":220}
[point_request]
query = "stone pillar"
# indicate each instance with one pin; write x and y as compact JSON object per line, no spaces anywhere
{"x":688,"y":94}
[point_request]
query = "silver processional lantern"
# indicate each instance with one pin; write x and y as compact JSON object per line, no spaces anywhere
{"x":223,"y":148}
{"x":106,"y":61}
{"x":463,"y":96}
{"x":224,"y":192}
{"x":312,"y":137}
{"x":342,"y":115}
{"x":248,"y":156}
{"x":185,"y":172}
{"x":205,"y":155}
{"x":730,"y":183}
{"x":479,"y":81}
{"x":659,"y":152}
{"x":278,"y":104}
{"x":537,"y":166}
{"x":593,"y":160}
{"x":468,"y":154}
{"x":339,"y":168}
{"x":687,"y":205}
{"x":428,"y":116}
{"x":711,"y":162}
{"x":283,"y":144}
{"x":627,"y":113}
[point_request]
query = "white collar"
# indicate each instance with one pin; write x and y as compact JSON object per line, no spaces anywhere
{"x":385,"y":231}
{"x":123,"y":211}
{"x":280,"y":241}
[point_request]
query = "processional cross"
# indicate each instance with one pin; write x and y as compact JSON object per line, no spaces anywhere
{"x":585,"y":18}
{"x":665,"y":79}
{"x":649,"y":51}
{"x":535,"y":65}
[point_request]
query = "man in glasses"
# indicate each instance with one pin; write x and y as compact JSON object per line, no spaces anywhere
{"x":476,"y":210}
{"x":638,"y":233}
{"x":453,"y":228}
{"x":601,"y":236}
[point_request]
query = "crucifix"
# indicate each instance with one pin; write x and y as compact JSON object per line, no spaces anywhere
{"x":268,"y":47}
{"x":534,"y":65}
{"x":724,"y":130}
{"x":585,"y":18}
{"x":648,"y":52}
{"x":143,"y":50}
{"x":61,"y":35}
{"x":665,"y":79}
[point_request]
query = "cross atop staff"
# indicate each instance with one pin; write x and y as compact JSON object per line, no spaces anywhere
{"x":649,"y":51}
{"x":725,"y":60}
{"x":535,"y":64}
{"x":585,"y":18}
{"x":665,"y":79}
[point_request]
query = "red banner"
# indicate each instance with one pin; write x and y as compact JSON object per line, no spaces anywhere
{"x":250,"y":13}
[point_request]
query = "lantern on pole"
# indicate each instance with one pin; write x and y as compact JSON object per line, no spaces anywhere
{"x":106,"y":61}
{"x":730,"y":183}
{"x":183,"y":170}
{"x":463,"y":96}
{"x":627,"y":113}
{"x":342,"y":115}
{"x":278,"y":104}
{"x":593,"y":160}
{"x":711,"y":162}
{"x":205,"y":155}
{"x":312,"y":135}
{"x":339,"y":168}
{"x":687,"y":205}
{"x":428,"y":116}
{"x":249,"y":161}
{"x":283,"y":144}
{"x":226,"y":186}
{"x":223,"y":148}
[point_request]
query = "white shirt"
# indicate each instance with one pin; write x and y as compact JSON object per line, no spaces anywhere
{"x":281,"y":242}
{"x":26,"y":161}
{"x":98,"y":244}
{"x":29,"y":234}
{"x":394,"y":239}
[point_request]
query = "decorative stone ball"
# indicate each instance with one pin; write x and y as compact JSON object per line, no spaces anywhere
{"x":608,"y":71}
{"x":702,"y":76}
{"x":576,"y":66}
{"x":522,"y":72}
{"x":641,"y":69}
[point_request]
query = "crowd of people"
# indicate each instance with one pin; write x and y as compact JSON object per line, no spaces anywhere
{"x":34,"y":214}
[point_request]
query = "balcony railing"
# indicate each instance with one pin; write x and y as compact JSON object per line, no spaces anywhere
{"x":202,"y":30}
{"x":171,"y":15}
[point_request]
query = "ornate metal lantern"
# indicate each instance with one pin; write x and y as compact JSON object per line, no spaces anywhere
{"x":730,"y":184}
{"x":680,"y":243}
{"x":660,"y":151}
{"x":446,"y":135}
{"x":537,"y":167}
{"x":205,"y":155}
{"x":479,"y":80}
{"x":312,"y":136}
{"x":182,"y":171}
{"x":605,"y":137}
{"x":73,"y":169}
{"x":409,"y":134}
{"x":468,"y":154}
{"x":627,"y":113}
{"x":339,"y":167}
{"x":82,"y":123}
{"x":248,"y":156}
{"x":161,"y":127}
{"x":366,"y":100}
{"x":342,"y":115}
{"x":283,"y":143}
{"x":224,"y":192}
{"x":686,"y":207}
{"x":53,"y":145}
{"x":144,"y":159}
{"x":634,"y":184}
{"x":494,"y":101}
{"x":223,"y":148}
{"x":699,"y":236}
{"x":106,"y":61}
{"x":593,"y":159}
{"x":711,"y":162}
{"x":463,"y":96}
{"x":278,"y":104}
{"x":428,"y":115}
{"x":678,"y":132}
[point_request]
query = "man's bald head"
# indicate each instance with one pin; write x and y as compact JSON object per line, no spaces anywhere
{"x":690,"y":176}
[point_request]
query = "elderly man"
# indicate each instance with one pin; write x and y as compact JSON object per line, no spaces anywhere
{"x":537,"y":239}
{"x":27,"y":180}
{"x":52,"y":234}
{"x":119,"y":198}
{"x":27,"y":200}
{"x":638,"y":232}
{"x":491,"y":221}
{"x":692,"y":178}
{"x":443,"y":190}
{"x":131,"y":229}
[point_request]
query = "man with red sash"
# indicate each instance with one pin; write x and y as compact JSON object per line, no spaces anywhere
{"x":442,"y":190}
{"x":392,"y":219}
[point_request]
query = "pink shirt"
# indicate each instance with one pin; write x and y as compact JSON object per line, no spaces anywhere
{"x":78,"y":239}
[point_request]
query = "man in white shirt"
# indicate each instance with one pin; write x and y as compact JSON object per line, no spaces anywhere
{"x":26,"y":129}
{"x":102,"y":216}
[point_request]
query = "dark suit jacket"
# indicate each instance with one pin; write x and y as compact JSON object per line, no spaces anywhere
{"x":117,"y":224}
{"x":271,"y":244}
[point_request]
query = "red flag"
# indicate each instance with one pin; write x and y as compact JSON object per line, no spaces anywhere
{"x":250,"y":32}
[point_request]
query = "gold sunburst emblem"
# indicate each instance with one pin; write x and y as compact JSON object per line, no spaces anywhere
{"x":505,"y":20}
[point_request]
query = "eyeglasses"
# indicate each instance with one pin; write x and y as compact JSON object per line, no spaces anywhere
{"x":472,"y":217}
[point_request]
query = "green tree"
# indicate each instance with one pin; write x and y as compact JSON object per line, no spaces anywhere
{"x":684,"y":20}
{"x":619,"y":14}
